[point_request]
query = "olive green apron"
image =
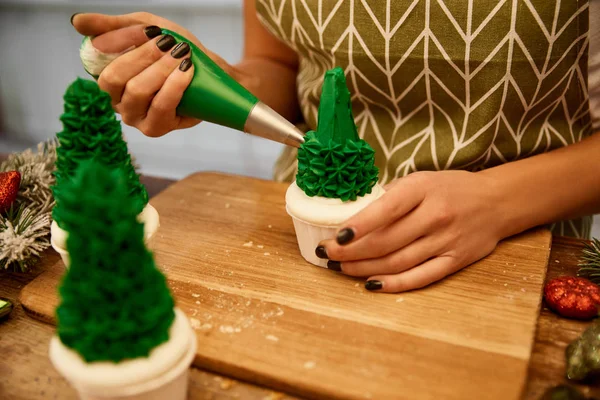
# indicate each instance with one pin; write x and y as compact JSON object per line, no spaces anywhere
{"x":445,"y":84}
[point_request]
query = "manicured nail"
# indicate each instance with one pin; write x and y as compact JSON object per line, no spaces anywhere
{"x":321,"y":252}
{"x":165,"y":43}
{"x":152,"y":31}
{"x":73,"y":16}
{"x":180,"y":50}
{"x":185,"y":65}
{"x":334,"y":265}
{"x":345,"y":235}
{"x":373,"y":285}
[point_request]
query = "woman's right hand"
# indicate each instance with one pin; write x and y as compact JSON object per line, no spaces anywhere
{"x":145,"y":84}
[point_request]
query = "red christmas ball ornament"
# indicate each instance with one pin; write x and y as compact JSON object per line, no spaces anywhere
{"x":573,"y":297}
{"x":9,"y":187}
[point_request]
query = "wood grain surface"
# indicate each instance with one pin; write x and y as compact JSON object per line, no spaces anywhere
{"x":264,"y":315}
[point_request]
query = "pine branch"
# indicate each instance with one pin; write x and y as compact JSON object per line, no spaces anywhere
{"x":25,"y":227}
{"x":589,"y":265}
{"x":23,"y":237}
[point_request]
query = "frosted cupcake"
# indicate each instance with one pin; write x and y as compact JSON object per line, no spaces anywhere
{"x":337,"y":176}
{"x":92,"y":131}
{"x":119,"y":334}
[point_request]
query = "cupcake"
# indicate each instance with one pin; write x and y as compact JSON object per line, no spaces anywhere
{"x":148,"y":217}
{"x":91,"y":131}
{"x":119,"y":334}
{"x":337,"y":176}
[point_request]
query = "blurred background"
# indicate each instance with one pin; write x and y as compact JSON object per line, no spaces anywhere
{"x":40,"y":58}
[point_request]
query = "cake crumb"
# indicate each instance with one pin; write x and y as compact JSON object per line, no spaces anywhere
{"x":248,"y":244}
{"x":225,"y":383}
{"x":310,"y":365}
{"x":356,"y":285}
{"x":506,"y":284}
{"x":269,"y":226}
{"x":280,"y":259}
{"x":524,"y":278}
{"x":274,"y":396}
{"x":523,"y":290}
{"x":227,"y":205}
{"x":226,"y":329}
{"x":272,"y":338}
{"x":556,"y":261}
{"x":399,"y":300}
{"x":266,"y":254}
{"x":195,"y":323}
{"x":198,"y":302}
{"x":195,"y":295}
{"x":260,"y":246}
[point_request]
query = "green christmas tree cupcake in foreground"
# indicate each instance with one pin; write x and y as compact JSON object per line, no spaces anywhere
{"x":118,"y":330}
{"x":91,"y":130}
{"x":337,"y":176}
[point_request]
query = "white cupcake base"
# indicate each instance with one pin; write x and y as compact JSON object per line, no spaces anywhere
{"x":162,"y":375}
{"x":58,"y":236}
{"x":318,"y":218}
{"x":309,"y":236}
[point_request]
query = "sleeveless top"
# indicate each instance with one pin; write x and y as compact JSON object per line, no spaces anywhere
{"x":445,"y":84}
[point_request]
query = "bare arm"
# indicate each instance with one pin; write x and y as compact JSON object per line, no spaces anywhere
{"x":554,"y":186}
{"x":269,"y":67}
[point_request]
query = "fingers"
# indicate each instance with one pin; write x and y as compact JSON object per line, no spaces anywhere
{"x":398,"y":261}
{"x":162,"y":117}
{"x":116,"y":75}
{"x":91,"y":24}
{"x":119,"y":40}
{"x":415,"y":278}
{"x":382,"y":241}
{"x":140,"y":90}
{"x":404,"y":196}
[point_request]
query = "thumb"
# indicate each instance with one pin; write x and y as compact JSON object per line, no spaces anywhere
{"x":91,"y":24}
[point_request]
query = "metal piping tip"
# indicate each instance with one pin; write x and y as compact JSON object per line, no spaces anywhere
{"x":264,"y":122}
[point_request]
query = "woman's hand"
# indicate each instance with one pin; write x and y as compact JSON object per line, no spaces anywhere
{"x":146,"y":84}
{"x":427,"y":226}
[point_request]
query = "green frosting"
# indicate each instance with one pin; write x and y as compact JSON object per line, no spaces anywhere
{"x":91,"y":130}
{"x":333,"y":161}
{"x":115,"y":303}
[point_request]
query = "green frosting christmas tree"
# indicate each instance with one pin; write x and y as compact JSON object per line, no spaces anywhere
{"x":115,"y":303}
{"x":91,"y":130}
{"x":333,"y":161}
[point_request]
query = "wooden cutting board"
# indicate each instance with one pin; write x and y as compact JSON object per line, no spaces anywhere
{"x":263,"y":314}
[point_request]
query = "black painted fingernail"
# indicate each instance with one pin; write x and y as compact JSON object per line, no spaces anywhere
{"x":373,"y":285}
{"x":345,"y":235}
{"x":165,"y":43}
{"x":180,"y":50}
{"x":152,"y":31}
{"x":321,"y":252}
{"x":73,"y":16}
{"x":334,"y":265}
{"x":185,"y":65}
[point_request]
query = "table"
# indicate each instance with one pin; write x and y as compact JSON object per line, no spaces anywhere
{"x":26,"y":372}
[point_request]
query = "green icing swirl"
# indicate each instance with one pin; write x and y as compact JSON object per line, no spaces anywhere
{"x":115,"y":303}
{"x":91,"y":130}
{"x":333,"y":161}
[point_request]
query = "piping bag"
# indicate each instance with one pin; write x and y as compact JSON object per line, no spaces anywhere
{"x":213,"y":96}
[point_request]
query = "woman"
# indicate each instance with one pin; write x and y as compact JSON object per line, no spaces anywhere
{"x":488,"y":102}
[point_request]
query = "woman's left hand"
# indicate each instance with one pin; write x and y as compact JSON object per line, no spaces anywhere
{"x":427,"y":226}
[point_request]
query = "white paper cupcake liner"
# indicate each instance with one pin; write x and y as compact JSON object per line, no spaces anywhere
{"x":309,"y":236}
{"x":171,"y":383}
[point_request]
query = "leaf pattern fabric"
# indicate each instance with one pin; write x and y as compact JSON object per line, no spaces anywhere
{"x":445,"y":84}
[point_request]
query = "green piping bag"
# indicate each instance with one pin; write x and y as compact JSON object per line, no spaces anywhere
{"x":214,"y":96}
